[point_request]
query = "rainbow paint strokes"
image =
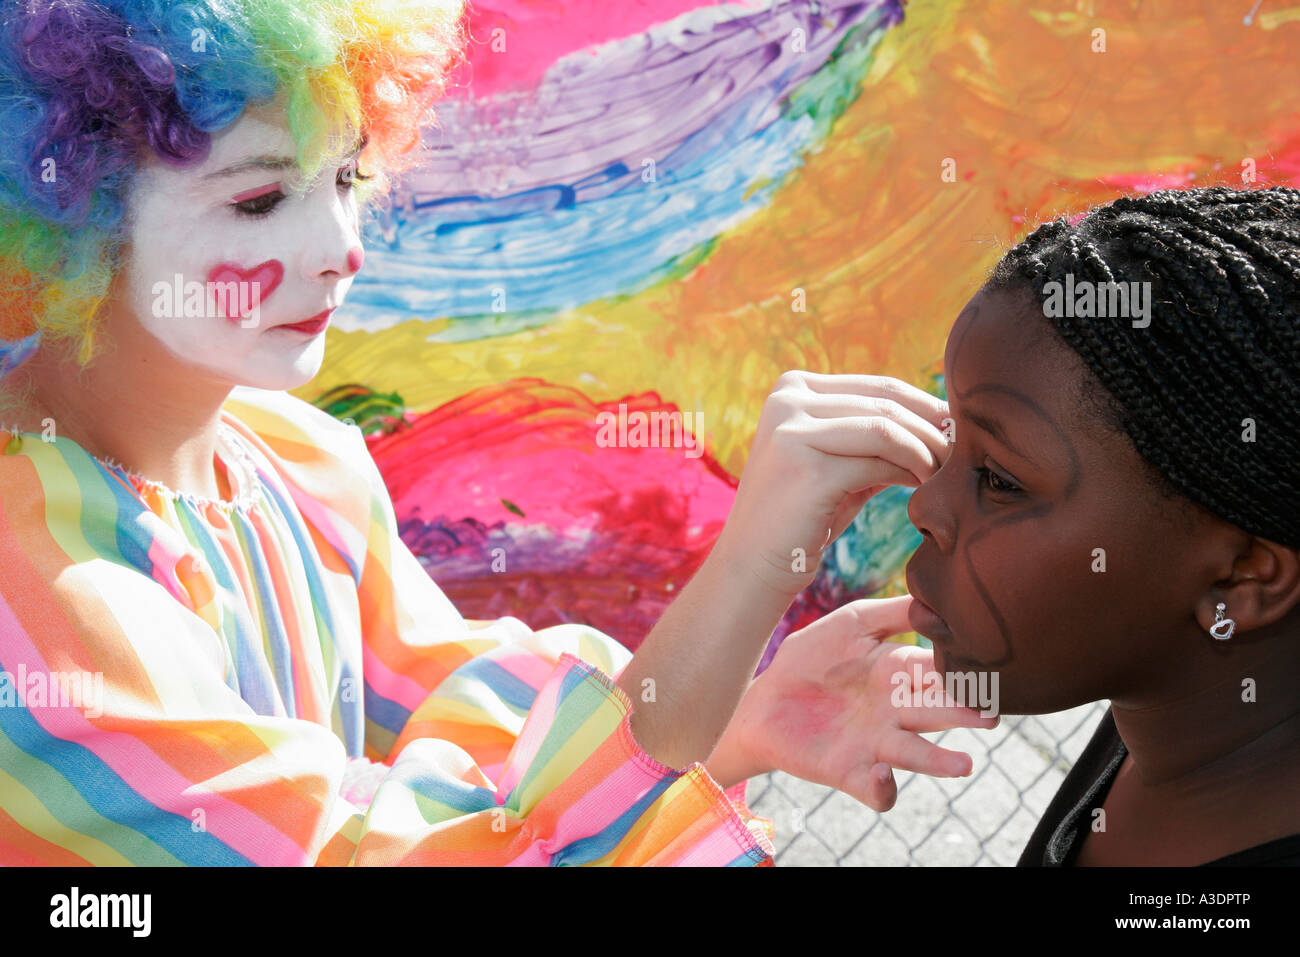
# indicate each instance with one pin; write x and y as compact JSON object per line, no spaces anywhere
{"x":673,"y":202}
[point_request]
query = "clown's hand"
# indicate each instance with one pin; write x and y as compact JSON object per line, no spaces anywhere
{"x":837,"y":707}
{"x":824,"y":446}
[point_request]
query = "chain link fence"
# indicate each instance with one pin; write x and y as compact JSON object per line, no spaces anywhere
{"x":984,"y":819}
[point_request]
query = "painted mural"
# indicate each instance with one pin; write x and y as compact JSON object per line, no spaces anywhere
{"x":637,"y":215}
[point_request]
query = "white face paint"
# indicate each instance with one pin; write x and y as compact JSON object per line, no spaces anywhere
{"x":196,"y":237}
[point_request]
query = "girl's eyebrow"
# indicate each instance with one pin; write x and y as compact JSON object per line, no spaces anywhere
{"x":1045,"y":455}
{"x":257,"y":162}
{"x":994,"y":428}
{"x":274,"y":163}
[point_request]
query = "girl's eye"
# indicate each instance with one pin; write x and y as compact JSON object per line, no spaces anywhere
{"x":263,"y":205}
{"x":351,"y":174}
{"x":995,"y":482}
{"x":259,"y":206}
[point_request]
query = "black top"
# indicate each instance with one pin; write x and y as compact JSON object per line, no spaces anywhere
{"x":1068,"y":819}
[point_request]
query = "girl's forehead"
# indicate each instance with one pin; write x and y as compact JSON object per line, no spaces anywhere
{"x":249,"y":132}
{"x":248,"y":147}
{"x":257,"y":145}
{"x":1000,"y":336}
{"x":249,"y":138}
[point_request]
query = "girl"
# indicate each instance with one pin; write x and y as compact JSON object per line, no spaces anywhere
{"x":1119,"y":519}
{"x":214,"y":647}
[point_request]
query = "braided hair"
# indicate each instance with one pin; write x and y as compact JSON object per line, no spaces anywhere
{"x":1221,"y":350}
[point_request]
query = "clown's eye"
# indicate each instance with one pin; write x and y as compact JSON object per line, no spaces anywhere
{"x":258,"y":206}
{"x":264,"y":205}
{"x":995,"y":482}
{"x":351,"y":174}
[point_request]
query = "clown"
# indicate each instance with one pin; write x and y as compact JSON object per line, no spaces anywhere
{"x":282,"y":682}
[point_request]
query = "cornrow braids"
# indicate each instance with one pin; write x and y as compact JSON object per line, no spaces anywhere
{"x":1221,"y":350}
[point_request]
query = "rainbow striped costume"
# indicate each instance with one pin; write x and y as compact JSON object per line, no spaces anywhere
{"x":274,"y":679}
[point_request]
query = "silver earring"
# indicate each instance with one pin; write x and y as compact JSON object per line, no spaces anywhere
{"x":1222,"y":627}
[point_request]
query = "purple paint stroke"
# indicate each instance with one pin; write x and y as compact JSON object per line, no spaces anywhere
{"x":632,"y":99}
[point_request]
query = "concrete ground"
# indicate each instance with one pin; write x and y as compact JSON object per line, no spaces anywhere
{"x":984,"y":819}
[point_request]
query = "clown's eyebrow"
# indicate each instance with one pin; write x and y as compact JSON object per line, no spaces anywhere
{"x":257,"y":162}
{"x":274,"y":163}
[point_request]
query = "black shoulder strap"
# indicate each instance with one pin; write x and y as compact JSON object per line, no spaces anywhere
{"x":1064,"y":824}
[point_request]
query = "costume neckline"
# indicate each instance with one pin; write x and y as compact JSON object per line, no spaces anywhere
{"x":230,"y":456}
{"x":238,"y":466}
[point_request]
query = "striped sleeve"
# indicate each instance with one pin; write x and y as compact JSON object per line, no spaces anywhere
{"x":576,"y":789}
{"x":514,"y":747}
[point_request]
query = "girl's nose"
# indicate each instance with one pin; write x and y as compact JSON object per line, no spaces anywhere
{"x":342,"y":260}
{"x":929,"y":510}
{"x":330,"y":233}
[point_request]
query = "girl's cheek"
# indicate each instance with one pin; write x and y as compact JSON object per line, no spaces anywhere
{"x":995,"y":586}
{"x":238,"y":290}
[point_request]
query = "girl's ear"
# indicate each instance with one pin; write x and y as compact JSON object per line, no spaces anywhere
{"x":1264,"y":588}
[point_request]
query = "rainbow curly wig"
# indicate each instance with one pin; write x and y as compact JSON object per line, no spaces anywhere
{"x":87,"y":86}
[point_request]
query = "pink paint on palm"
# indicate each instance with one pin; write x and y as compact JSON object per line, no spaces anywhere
{"x":536,"y":33}
{"x":250,"y":288}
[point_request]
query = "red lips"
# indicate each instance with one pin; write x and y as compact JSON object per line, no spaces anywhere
{"x":253,"y":285}
{"x":312,"y":326}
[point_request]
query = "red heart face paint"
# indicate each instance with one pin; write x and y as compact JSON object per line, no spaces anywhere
{"x":239,"y":291}
{"x":260,"y":274}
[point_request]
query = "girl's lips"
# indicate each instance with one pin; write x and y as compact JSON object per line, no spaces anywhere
{"x":926,"y":621}
{"x":313,"y":326}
